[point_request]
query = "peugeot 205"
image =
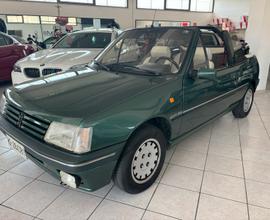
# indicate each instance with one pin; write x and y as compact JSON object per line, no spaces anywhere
{"x":116,"y":117}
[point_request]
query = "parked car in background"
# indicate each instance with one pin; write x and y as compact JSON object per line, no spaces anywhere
{"x":117,"y":117}
{"x":11,"y":50}
{"x":73,"y":50}
{"x":33,"y":45}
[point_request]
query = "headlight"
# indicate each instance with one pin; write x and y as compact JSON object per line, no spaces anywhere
{"x":69,"y":137}
{"x":3,"y":102}
{"x":16,"y":68}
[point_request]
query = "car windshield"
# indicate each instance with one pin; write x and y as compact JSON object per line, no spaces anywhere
{"x":153,"y":50}
{"x":84,"y":40}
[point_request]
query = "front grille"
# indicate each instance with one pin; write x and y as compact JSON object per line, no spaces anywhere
{"x":49,"y":71}
{"x":32,"y":72}
{"x":34,"y":126}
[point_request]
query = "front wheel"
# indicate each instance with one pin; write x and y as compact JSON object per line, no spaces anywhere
{"x":243,"y":108}
{"x":142,"y":160}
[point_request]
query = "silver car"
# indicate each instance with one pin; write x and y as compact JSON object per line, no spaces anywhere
{"x":71,"y":51}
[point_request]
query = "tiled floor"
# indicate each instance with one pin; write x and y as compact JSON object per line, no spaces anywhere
{"x":220,"y":173}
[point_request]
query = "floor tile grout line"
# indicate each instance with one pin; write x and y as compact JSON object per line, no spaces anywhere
{"x":25,"y":175}
{"x":102,"y":199}
{"x":208,"y":171}
{"x":163,"y":215}
{"x":262,"y":121}
{"x":32,"y":180}
{"x":244,"y":174}
{"x":17,"y":210}
{"x":47,"y":206}
{"x":262,"y":207}
{"x":205,"y":163}
{"x":174,"y":149}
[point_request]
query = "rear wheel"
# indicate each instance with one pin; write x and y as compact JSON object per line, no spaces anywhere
{"x":243,"y":108}
{"x":142,"y":160}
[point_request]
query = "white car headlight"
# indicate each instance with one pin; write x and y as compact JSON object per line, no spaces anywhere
{"x":69,"y":137}
{"x":3,"y":102}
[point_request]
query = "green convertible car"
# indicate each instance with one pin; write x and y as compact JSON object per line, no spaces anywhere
{"x":116,"y":117}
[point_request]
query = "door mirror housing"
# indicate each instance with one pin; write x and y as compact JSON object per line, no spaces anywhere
{"x":208,"y":74}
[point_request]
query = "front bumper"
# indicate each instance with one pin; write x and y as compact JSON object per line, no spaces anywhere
{"x":19,"y":77}
{"x":92,"y":170}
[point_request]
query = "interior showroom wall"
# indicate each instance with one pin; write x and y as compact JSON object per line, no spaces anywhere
{"x":129,"y":17}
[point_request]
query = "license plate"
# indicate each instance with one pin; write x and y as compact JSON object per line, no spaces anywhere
{"x":15,"y":145}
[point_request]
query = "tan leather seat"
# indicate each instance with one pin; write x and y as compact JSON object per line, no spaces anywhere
{"x":163,"y":51}
{"x":156,"y":53}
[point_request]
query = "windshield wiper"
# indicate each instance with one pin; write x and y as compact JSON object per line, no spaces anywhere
{"x":124,"y":66}
{"x":103,"y":66}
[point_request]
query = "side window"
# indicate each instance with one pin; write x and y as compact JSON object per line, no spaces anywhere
{"x":200,"y":60}
{"x":112,"y":55}
{"x":2,"y":41}
{"x":8,"y":40}
{"x":217,"y":54}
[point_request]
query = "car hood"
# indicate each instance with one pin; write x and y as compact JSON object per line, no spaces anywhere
{"x":62,"y":58}
{"x":81,"y":94}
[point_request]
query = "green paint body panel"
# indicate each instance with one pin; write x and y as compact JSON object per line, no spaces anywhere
{"x":115,"y":104}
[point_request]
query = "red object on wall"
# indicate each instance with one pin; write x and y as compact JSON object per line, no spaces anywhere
{"x":184,"y":23}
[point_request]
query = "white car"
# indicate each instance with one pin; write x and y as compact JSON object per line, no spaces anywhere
{"x":71,"y":51}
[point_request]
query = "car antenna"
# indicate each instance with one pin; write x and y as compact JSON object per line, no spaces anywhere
{"x":152,"y":25}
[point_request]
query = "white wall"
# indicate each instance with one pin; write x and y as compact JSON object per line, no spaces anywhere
{"x":258,"y":36}
{"x":125,"y":16}
{"x":232,"y":9}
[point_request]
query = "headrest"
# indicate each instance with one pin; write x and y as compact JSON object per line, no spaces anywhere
{"x":209,"y":54}
{"x":160,"y":51}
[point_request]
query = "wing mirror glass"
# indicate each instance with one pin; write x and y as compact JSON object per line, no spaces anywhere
{"x":204,"y":73}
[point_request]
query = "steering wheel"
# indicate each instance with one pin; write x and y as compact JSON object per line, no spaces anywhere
{"x":169,"y":59}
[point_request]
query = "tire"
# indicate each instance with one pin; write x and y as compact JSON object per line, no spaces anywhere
{"x":142,"y":160}
{"x":243,"y":108}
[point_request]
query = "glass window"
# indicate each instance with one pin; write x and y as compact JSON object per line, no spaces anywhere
{"x":72,"y":21}
{"x":8,"y":40}
{"x":153,"y":50}
{"x":200,"y":60}
{"x":47,"y":20}
{"x":113,"y":3}
{"x":14,"y":19}
{"x":21,"y":40}
{"x":177,"y":4}
{"x":78,"y":1}
{"x":84,"y":40}
{"x":31,"y":19}
{"x":2,"y":41}
{"x":202,"y":5}
{"x":150,"y":4}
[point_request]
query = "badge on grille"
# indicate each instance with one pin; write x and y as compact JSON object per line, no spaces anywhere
{"x":20,"y":119}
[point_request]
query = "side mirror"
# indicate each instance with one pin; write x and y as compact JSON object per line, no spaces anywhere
{"x":208,"y":74}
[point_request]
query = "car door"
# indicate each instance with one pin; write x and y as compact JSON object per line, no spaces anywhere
{"x":200,"y":91}
{"x":4,"y":53}
{"x":227,"y":74}
{"x":8,"y":56}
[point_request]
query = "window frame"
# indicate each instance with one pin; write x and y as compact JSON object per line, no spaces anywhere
{"x":93,"y":4}
{"x":205,"y":53}
{"x":212,"y":10}
{"x":8,"y":22}
{"x":3,"y":36}
{"x":171,"y":9}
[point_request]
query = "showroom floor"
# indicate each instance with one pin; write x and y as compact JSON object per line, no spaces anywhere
{"x":221,"y":172}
